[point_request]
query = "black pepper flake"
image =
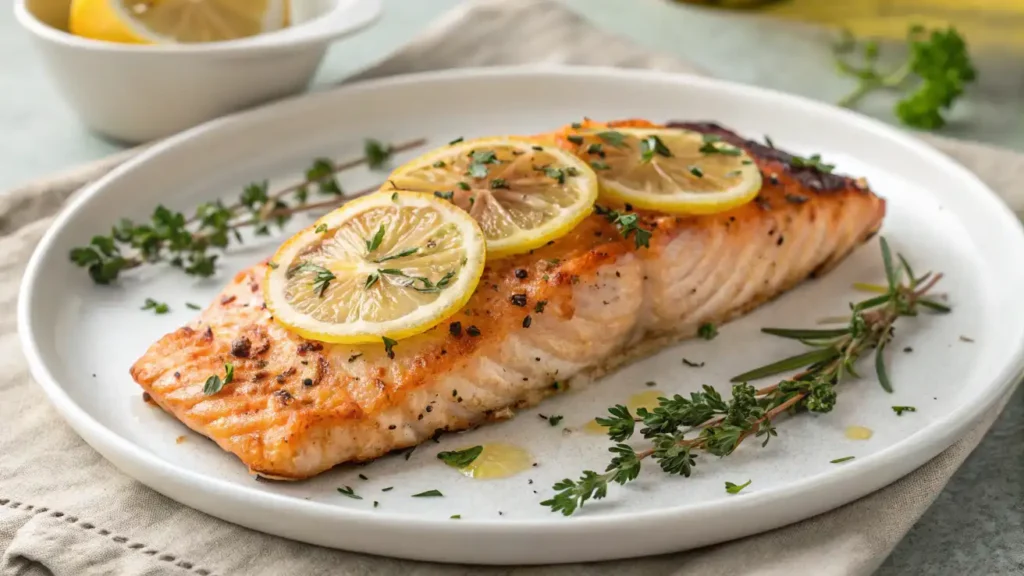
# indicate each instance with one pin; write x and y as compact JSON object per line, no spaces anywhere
{"x":455,"y":393}
{"x":473,"y":331}
{"x":908,"y":349}
{"x":527,"y":321}
{"x":795,"y":199}
{"x":420,"y":417}
{"x":392,"y":427}
{"x":780,"y":240}
{"x":429,"y":409}
{"x":240,"y":347}
{"x":519,"y":300}
{"x":177,"y":375}
{"x":774,"y":180}
{"x":310,"y":347}
{"x":283,"y":396}
{"x":455,"y":329}
{"x":629,"y":207}
{"x":522,"y":274}
{"x":307,"y":381}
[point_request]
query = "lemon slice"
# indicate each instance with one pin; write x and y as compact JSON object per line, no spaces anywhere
{"x":170,"y":21}
{"x":522,"y":193}
{"x":388,"y":265}
{"x":667,"y":170}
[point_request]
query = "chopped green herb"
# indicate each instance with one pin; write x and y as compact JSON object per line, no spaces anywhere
{"x":376,"y":504}
{"x":428,"y":494}
{"x":653,"y":145}
{"x":464,"y":185}
{"x":460,"y":458}
{"x":594,"y":148}
{"x":394,"y":196}
{"x":538,"y":148}
{"x":599,"y":165}
{"x":156,"y":307}
{"x":693,"y":364}
{"x":612,"y":138}
{"x":321,"y":229}
{"x":272,"y":265}
{"x":719,"y":148}
{"x":374,"y":243}
{"x":456,"y":516}
{"x":353,"y":357}
{"x":539,"y":306}
{"x":556,"y":173}
{"x":193,"y":306}
{"x":477,"y":170}
{"x":696,"y":172}
{"x":735,"y":488}
{"x":899,"y":410}
{"x":498,"y":184}
{"x":577,"y":140}
{"x":627,"y":224}
{"x":841,"y":460}
{"x":456,"y":141}
{"x":813,"y":161}
{"x":388,"y":489}
{"x":402,"y":254}
{"x":555,"y":419}
{"x":363,"y":477}
{"x":439,"y":164}
{"x":449,"y":195}
{"x":347,"y":491}
{"x":576,"y":125}
{"x":377,"y":154}
{"x":707,"y":331}
{"x":389,"y":346}
{"x":371,"y":279}
{"x":215,"y":384}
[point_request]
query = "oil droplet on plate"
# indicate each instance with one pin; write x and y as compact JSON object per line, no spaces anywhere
{"x":498,"y":460}
{"x":648,"y":400}
{"x":593,"y":427}
{"x":858,"y":432}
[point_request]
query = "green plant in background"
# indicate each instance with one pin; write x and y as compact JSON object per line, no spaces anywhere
{"x":932,"y":78}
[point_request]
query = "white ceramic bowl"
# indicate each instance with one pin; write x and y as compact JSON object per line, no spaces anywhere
{"x":136,"y":93}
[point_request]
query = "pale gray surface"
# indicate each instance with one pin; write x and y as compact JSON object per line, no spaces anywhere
{"x":976,"y":525}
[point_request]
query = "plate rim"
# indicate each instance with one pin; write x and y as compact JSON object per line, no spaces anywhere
{"x":883,"y":467}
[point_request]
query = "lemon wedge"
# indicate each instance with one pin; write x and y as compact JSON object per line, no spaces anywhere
{"x":386,"y":266}
{"x":668,"y":170}
{"x":522,"y":193}
{"x":170,"y":21}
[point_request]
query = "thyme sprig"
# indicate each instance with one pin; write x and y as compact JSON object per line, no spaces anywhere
{"x":191,"y":242}
{"x":681,"y":427}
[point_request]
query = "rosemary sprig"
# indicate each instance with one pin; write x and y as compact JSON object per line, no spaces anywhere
{"x":189,"y":242}
{"x":681,"y":427}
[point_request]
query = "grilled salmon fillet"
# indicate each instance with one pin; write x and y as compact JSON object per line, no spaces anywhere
{"x":584,"y":303}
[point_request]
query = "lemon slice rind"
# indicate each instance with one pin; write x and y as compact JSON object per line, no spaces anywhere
{"x":449,"y":300}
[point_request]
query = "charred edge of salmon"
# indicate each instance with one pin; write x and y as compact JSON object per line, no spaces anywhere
{"x":813,"y":178}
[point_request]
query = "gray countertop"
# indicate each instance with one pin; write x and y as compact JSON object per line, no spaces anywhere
{"x":976,"y":526}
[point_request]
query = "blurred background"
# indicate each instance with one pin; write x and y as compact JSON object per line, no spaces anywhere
{"x":781,"y":44}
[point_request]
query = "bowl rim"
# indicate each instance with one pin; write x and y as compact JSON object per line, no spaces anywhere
{"x":343,"y":18}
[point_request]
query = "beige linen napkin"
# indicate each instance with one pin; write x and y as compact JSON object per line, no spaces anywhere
{"x":65,"y":511}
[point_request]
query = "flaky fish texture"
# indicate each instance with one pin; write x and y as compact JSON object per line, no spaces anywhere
{"x":583,"y":304}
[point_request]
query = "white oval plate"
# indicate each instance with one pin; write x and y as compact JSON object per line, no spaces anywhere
{"x":80,"y":339}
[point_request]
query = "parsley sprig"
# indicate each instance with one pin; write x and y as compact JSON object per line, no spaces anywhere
{"x":931,"y":79}
{"x":681,"y":427}
{"x":191,"y":242}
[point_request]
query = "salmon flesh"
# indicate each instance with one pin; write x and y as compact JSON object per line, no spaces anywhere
{"x":583,"y":304}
